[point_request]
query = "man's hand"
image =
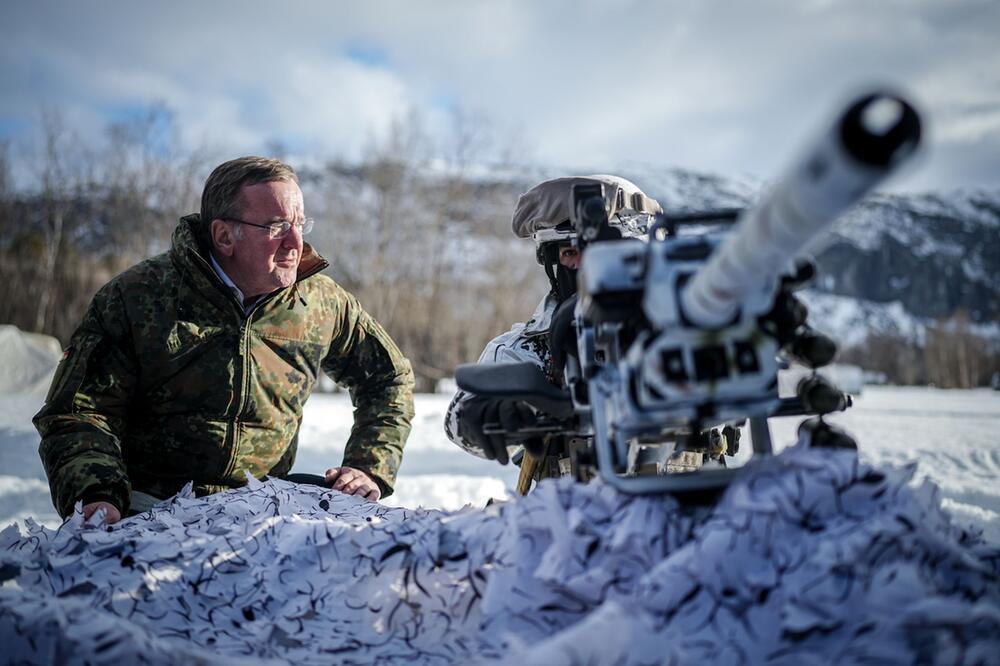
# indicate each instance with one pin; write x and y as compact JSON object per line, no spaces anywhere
{"x":509,"y":415}
{"x":353,"y":482}
{"x":112,"y":516}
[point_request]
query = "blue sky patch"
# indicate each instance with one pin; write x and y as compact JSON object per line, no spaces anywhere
{"x":368,"y":55}
{"x":12,"y":127}
{"x":445,"y":100}
{"x":152,"y":123}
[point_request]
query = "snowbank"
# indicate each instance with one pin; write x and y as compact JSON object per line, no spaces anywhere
{"x":812,"y":556}
{"x":27,"y":360}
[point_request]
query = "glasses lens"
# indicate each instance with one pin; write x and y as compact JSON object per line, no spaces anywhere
{"x":281,"y":229}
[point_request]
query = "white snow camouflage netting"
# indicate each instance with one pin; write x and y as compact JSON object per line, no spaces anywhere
{"x":810,"y":557}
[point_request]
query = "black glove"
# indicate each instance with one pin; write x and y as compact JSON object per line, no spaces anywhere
{"x":480,"y":411}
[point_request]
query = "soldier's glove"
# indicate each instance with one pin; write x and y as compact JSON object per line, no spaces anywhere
{"x":501,"y":416}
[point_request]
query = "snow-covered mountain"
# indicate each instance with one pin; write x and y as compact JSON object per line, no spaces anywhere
{"x":934,"y":254}
{"x":892,"y":264}
{"x":928,"y":254}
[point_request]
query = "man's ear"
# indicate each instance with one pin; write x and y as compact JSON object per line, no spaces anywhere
{"x":223,"y":240}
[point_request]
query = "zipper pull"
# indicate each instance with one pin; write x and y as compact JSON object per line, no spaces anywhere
{"x":296,"y":294}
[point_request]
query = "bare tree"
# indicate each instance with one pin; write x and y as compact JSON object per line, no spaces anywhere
{"x":956,"y":357}
{"x":144,"y":182}
{"x":91,"y":211}
{"x":57,"y":188}
{"x":898,"y":358}
{"x":6,"y":179}
{"x":425,"y":247}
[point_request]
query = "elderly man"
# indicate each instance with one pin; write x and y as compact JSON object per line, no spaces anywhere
{"x":195,"y":365}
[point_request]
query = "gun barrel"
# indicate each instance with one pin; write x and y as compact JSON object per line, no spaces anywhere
{"x":869,"y":140}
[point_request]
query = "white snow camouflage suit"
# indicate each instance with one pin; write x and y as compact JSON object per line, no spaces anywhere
{"x":525,"y":341}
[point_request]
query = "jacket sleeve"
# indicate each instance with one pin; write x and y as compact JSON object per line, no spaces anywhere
{"x":82,"y":421}
{"x":510,"y":347}
{"x":363,"y":358}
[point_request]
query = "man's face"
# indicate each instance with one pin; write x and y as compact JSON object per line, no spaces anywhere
{"x":260,"y":264}
{"x":569,"y":256}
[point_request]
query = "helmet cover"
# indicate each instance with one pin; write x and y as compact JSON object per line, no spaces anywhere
{"x":542,"y":211}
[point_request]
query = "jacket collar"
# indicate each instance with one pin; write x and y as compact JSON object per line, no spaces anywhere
{"x":541,"y":319}
{"x":190,"y":253}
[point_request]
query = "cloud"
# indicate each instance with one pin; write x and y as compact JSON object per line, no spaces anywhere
{"x":971,"y":125}
{"x":715,"y":86}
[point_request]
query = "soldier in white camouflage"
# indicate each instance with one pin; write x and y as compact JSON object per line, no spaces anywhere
{"x":195,"y":365}
{"x":542,"y":214}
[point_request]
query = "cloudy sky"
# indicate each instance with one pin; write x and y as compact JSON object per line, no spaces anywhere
{"x":723,"y":87}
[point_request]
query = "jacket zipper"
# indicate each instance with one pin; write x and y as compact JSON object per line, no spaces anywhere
{"x":243,"y":384}
{"x":233,"y":431}
{"x":232,"y":440}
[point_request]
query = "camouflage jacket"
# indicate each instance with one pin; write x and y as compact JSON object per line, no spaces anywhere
{"x":166,"y":381}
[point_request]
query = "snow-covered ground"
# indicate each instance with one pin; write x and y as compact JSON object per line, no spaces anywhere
{"x":950,"y":435}
{"x":435,"y":473}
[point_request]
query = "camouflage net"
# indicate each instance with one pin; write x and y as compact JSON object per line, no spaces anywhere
{"x":810,"y":557}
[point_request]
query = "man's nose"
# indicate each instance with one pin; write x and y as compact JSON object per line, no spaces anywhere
{"x":293,"y":238}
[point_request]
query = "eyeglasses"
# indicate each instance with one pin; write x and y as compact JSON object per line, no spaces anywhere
{"x":276,"y":230}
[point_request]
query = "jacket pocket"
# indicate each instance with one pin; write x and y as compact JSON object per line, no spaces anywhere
{"x":282,"y":376}
{"x":186,"y":337}
{"x":70,"y":373}
{"x":190,"y":368}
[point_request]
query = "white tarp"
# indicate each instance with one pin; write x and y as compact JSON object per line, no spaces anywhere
{"x":811,"y":557}
{"x":27,"y":360}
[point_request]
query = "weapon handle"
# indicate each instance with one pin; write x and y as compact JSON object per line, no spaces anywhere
{"x":794,"y":406}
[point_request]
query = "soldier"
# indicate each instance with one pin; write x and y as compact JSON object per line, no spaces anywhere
{"x":195,"y":365}
{"x":543,"y":214}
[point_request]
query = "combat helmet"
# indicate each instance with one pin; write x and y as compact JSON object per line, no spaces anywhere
{"x":543,"y":214}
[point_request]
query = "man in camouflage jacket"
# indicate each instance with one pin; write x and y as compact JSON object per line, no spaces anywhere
{"x":195,"y":364}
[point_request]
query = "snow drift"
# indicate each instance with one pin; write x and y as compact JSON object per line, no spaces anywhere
{"x":27,"y":360}
{"x":811,"y":556}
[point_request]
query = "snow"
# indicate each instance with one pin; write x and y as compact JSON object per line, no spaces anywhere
{"x":809,"y":553}
{"x":851,"y":320}
{"x":895,"y":426}
{"x":916,"y":221}
{"x":434,"y":474}
{"x":950,"y":435}
{"x":27,"y":361}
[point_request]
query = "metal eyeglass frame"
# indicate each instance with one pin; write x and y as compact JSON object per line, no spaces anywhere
{"x":304,"y":228}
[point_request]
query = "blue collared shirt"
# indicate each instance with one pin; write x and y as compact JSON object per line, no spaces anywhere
{"x":232,"y":286}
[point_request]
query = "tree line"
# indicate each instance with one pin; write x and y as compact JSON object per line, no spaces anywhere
{"x":950,"y":353}
{"x":409,"y":228}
